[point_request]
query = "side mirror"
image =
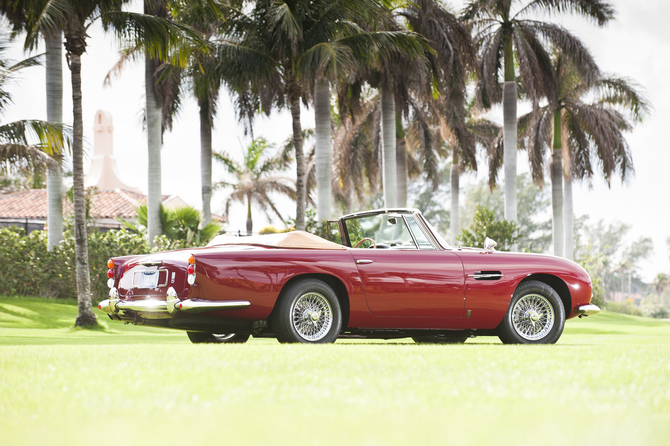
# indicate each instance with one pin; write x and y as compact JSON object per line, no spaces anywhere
{"x":489,"y":244}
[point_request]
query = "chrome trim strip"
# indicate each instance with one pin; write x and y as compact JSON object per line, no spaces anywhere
{"x":148,"y":305}
{"x":416,"y":244}
{"x":200,"y":306}
{"x":588,"y":310}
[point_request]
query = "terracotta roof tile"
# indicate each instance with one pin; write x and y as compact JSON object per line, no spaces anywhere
{"x":105,"y":204}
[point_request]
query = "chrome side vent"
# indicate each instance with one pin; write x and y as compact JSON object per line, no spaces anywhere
{"x":486,"y":275}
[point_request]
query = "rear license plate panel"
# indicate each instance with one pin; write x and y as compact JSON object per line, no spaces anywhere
{"x":148,"y":279}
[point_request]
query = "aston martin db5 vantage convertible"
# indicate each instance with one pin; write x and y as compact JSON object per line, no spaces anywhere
{"x":383,"y":274}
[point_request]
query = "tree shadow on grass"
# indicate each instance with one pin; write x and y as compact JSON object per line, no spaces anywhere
{"x":21,"y":316}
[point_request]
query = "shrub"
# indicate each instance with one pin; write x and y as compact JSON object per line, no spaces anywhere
{"x":505,"y":233}
{"x":624,"y":308}
{"x":30,"y":269}
{"x":268,"y":230}
{"x":660,"y":313}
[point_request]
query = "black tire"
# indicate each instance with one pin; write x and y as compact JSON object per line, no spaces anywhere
{"x":208,"y":338}
{"x":532,"y":300}
{"x":438,"y":339}
{"x":313,"y":296}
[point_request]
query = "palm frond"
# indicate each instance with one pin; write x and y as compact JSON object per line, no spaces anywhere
{"x":570,"y":47}
{"x":162,"y":39}
{"x":623,"y":92}
{"x":599,"y":11}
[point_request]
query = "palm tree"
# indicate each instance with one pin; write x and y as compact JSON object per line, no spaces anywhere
{"x":256,"y":178}
{"x":444,"y":87}
{"x":323,"y":149}
{"x":280,"y":46}
{"x":567,"y":71}
{"x":206,"y":78}
{"x":17,"y":13}
{"x":26,"y":143}
{"x":357,"y":147}
{"x":580,"y":131}
{"x":504,"y":35}
{"x":74,"y":17}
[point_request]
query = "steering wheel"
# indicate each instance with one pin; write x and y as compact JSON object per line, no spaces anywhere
{"x":364,"y":239}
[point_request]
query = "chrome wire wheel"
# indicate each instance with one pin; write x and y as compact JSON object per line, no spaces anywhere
{"x":532,"y":317}
{"x":311,"y":316}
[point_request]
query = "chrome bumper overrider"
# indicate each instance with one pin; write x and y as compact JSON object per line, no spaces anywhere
{"x":172,"y":305}
{"x":588,"y":310}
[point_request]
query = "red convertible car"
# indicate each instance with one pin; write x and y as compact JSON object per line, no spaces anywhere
{"x":386,"y":274}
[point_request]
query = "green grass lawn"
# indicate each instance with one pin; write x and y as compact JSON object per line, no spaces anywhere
{"x":606,"y":382}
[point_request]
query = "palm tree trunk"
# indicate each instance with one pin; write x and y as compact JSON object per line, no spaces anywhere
{"x":154,"y":115}
{"x":301,"y":195}
{"x":85,"y":316}
{"x":568,"y":217}
{"x":54,"y":75}
{"x":250,"y":222}
{"x":323,"y":149}
{"x":389,"y":174}
{"x":206,"y":162}
{"x":557,"y":187}
{"x":510,"y":134}
{"x":455,"y":192}
{"x":401,"y":170}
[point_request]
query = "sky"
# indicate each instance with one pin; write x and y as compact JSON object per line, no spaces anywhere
{"x":636,"y":45}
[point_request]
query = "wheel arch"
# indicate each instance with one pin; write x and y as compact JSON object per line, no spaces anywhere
{"x":557,"y":284}
{"x":334,"y":282}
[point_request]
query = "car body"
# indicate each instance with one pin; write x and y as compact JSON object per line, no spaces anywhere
{"x":388,"y":274}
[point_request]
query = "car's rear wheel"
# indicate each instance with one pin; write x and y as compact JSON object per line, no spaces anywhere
{"x":535,"y":316}
{"x":438,"y":339}
{"x":225,"y":338}
{"x":308,"y":312}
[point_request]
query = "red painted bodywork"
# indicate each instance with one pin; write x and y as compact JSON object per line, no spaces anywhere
{"x":401,"y":289}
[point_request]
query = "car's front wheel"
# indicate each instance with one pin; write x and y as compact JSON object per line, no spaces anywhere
{"x":308,"y":312}
{"x":535,"y":316}
{"x":225,"y":338}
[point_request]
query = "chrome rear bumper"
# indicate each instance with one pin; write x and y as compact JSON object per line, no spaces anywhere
{"x":172,"y":305}
{"x":588,"y":310}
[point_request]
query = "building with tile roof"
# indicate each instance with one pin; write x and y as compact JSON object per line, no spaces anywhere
{"x":113,"y":198}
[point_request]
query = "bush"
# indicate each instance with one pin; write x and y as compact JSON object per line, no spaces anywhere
{"x":268,"y":230}
{"x":624,"y":308}
{"x":504,"y":233}
{"x":30,"y":269}
{"x":660,"y":313}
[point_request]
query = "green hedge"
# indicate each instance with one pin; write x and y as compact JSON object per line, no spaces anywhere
{"x":29,"y":269}
{"x":623,"y":308}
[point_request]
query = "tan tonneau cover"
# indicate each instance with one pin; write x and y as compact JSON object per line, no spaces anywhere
{"x":295,"y":239}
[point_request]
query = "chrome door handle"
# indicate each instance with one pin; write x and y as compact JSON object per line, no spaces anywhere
{"x":364,"y":262}
{"x":492,"y":275}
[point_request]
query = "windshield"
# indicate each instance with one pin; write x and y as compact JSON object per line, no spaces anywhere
{"x":380,"y":231}
{"x":437,"y":235}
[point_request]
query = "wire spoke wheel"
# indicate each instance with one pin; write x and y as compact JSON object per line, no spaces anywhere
{"x":312,"y":316}
{"x":532,"y":317}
